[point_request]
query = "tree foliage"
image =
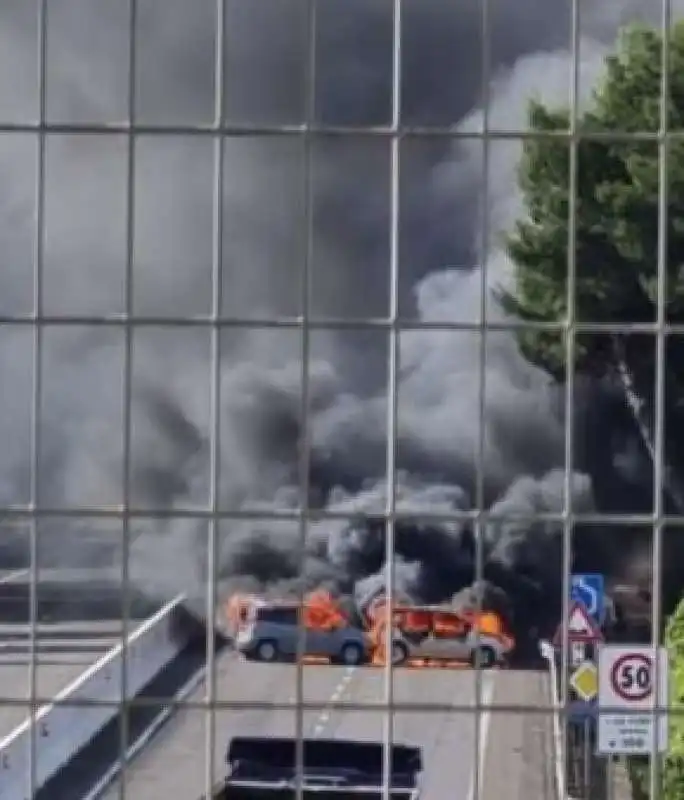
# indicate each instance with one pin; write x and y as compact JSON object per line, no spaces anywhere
{"x":671,"y":770}
{"x":616,"y":209}
{"x":673,"y":767}
{"x":616,"y":205}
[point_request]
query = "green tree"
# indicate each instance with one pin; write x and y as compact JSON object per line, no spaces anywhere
{"x":617,"y":211}
{"x":671,"y":777}
{"x":673,"y":766}
{"x":671,"y":770}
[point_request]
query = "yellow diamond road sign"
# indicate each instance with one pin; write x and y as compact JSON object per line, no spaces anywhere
{"x":585,"y":681}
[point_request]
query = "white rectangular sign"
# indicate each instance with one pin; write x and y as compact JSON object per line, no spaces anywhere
{"x":627,"y":687}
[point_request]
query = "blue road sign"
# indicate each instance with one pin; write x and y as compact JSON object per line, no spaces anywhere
{"x":590,"y":591}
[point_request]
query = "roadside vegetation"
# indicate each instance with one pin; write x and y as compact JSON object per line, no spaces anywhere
{"x":617,"y":235}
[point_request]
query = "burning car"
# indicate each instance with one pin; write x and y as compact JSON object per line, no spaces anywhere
{"x":315,"y":627}
{"x":441,"y":634}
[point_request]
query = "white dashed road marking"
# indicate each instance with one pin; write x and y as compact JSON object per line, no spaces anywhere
{"x":324,"y":718}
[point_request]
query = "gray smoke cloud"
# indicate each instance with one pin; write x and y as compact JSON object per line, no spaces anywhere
{"x":82,"y":410}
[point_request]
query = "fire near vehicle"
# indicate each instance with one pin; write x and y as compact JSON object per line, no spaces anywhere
{"x":271,"y":631}
{"x":237,"y":609}
{"x":438,"y":633}
{"x":331,"y":769}
{"x":374,"y":609}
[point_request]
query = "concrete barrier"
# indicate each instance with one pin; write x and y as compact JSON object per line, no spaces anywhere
{"x":63,"y":727}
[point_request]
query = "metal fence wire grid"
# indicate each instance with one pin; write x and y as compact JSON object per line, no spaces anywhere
{"x":340,"y":355}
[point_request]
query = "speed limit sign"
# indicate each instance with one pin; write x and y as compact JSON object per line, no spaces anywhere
{"x":631,"y":677}
{"x":633,"y":682}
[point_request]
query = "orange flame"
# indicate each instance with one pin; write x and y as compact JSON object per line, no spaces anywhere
{"x":414,"y":619}
{"x":319,"y":610}
{"x":377,"y":609}
{"x":322,"y":612}
{"x":236,"y":608}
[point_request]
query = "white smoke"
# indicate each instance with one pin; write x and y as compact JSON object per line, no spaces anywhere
{"x":82,"y":414}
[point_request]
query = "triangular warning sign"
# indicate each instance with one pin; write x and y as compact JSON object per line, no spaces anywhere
{"x":581,"y":627}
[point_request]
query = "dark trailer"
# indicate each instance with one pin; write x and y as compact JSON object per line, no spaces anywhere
{"x":262,"y":767}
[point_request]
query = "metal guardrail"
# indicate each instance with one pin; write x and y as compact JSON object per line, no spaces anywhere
{"x":547,"y":652}
{"x":580,"y":773}
{"x":59,"y":730}
{"x":148,"y":731}
{"x":176,"y":682}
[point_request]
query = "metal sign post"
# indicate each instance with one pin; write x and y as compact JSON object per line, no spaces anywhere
{"x":584,"y":634}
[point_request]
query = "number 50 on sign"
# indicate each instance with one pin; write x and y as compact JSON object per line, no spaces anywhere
{"x":629,"y":691}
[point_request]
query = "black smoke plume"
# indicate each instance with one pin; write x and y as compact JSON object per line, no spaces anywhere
{"x":261,"y":435}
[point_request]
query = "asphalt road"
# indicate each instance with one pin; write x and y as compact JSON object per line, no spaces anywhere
{"x":514,"y":748}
